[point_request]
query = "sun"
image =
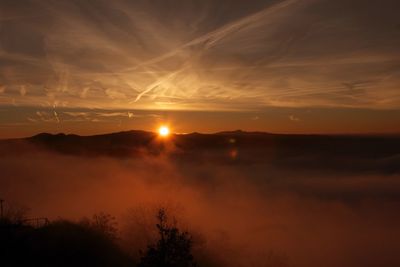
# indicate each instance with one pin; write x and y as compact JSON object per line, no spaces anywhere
{"x":163,"y":131}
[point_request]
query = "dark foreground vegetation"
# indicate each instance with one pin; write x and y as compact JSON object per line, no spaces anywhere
{"x":90,"y":242}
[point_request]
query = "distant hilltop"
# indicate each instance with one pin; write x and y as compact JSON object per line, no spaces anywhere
{"x":347,"y":152}
{"x":123,"y":143}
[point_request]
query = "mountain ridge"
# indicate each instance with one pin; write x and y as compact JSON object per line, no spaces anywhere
{"x":347,"y":152}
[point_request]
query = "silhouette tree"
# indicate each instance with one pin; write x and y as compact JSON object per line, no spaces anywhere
{"x":103,"y":223}
{"x":12,"y":213}
{"x":173,"y":249}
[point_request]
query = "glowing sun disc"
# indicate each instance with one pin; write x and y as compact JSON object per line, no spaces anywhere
{"x":163,"y":131}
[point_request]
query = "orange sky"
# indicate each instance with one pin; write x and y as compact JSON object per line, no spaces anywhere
{"x":317,"y":66}
{"x":21,"y":122}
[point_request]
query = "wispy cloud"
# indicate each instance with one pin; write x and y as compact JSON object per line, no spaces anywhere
{"x":210,"y":56}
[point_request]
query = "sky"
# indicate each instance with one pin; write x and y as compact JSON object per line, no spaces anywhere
{"x":284,"y":66}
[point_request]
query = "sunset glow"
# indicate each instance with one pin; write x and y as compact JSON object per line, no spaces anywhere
{"x":213,"y":133}
{"x":163,"y":131}
{"x":220,"y":63}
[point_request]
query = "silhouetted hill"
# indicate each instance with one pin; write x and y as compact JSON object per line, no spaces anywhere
{"x":239,"y":147}
{"x":113,"y":144}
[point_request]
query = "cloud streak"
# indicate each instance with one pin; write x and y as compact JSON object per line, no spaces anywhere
{"x":269,"y":54}
{"x":202,"y":56}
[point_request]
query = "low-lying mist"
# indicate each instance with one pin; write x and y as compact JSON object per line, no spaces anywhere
{"x":241,"y":213}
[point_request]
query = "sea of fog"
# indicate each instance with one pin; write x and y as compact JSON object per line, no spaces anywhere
{"x":240,"y":212}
